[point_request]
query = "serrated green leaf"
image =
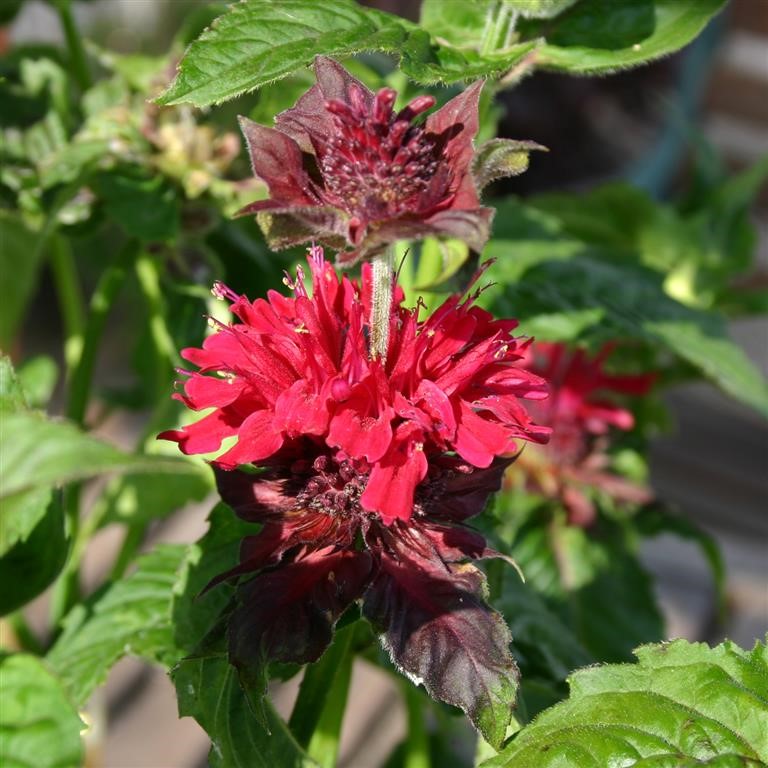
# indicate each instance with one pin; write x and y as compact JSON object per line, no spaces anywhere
{"x":257,"y":42}
{"x":39,"y":726}
{"x":195,"y":613}
{"x":603,"y":35}
{"x":681,"y":704}
{"x":208,"y":690}
{"x":43,"y":453}
{"x":128,"y":617}
{"x":632,"y":304}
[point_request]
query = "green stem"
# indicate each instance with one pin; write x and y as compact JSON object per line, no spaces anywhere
{"x":417,"y":740}
{"x":77,"y":57}
{"x":109,"y":285}
{"x":319,"y":708}
{"x":25,"y":637}
{"x":134,"y":537}
{"x":381,"y":303}
{"x":166,"y":358}
{"x":70,"y":297}
{"x":67,"y":589}
{"x":499,"y":27}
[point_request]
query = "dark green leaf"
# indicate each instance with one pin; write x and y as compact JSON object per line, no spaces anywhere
{"x":36,"y":546}
{"x":605,"y":35}
{"x":548,"y":648}
{"x":39,"y":727}
{"x":128,"y":617}
{"x":195,"y":613}
{"x":19,"y":264}
{"x":614,"y":299}
{"x":208,"y":690}
{"x":326,"y":676}
{"x":39,"y":453}
{"x":681,"y":704}
{"x":145,"y":207}
{"x":594,"y":582}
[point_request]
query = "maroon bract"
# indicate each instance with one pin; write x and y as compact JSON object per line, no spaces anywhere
{"x":297,"y":372}
{"x":345,"y":168}
{"x":369,"y":472}
{"x":319,"y":551}
{"x":581,"y":410}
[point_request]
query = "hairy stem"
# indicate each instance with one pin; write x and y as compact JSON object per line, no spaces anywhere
{"x":381,"y":304}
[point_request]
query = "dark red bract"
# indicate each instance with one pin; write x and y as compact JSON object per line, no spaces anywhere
{"x":344,"y":167}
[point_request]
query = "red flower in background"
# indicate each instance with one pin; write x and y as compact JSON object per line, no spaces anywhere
{"x":344,"y":167}
{"x":581,"y":410}
{"x":370,"y":471}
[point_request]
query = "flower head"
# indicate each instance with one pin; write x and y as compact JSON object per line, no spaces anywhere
{"x":296,"y":372}
{"x":344,"y":167}
{"x":581,"y":410}
{"x":369,"y":472}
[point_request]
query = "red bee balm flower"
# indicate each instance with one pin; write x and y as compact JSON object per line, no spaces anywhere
{"x":369,"y":471}
{"x":581,"y":411}
{"x":344,"y":168}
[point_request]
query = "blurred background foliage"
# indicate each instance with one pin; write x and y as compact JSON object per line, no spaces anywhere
{"x":116,"y":216}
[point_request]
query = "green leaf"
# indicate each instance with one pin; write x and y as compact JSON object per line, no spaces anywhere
{"x":42,"y":453}
{"x":146,"y":207}
{"x":19,"y":264}
{"x":631,"y":303}
{"x":547,"y":647}
{"x":39,"y":727}
{"x":37,"y":377}
{"x":257,"y":42}
{"x":593,"y":581}
{"x":681,"y":704}
{"x":208,"y":690}
{"x":195,"y":613}
{"x":604,"y":35}
{"x":128,"y":617}
{"x":34,"y":546}
{"x":12,"y":397}
{"x":323,"y":693}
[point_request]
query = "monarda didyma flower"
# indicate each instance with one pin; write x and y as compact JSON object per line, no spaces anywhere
{"x":582,"y":410}
{"x":368,"y":472}
{"x":343,"y":167}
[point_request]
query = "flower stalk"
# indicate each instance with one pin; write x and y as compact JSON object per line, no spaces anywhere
{"x":381,"y":304}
